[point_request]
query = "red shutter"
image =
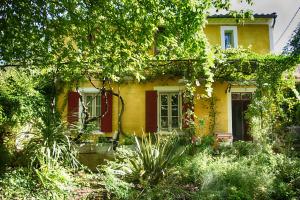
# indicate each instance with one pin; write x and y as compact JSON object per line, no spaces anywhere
{"x":185,"y":117}
{"x":151,"y":111}
{"x":106,"y":120}
{"x":73,"y":107}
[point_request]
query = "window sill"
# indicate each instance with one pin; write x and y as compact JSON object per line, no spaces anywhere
{"x":169,"y":133}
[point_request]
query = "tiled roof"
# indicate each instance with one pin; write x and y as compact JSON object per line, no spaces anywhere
{"x":272,"y":15}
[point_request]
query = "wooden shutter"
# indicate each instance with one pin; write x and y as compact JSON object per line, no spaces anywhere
{"x":185,"y":117}
{"x":106,"y":120}
{"x":73,"y":107}
{"x":151,"y":111}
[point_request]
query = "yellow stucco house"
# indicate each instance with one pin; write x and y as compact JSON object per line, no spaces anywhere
{"x":157,"y":106}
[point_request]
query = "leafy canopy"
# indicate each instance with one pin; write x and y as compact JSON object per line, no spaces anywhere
{"x":111,"y":39}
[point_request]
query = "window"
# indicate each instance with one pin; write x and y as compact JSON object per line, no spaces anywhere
{"x":241,"y":96}
{"x":229,"y":37}
{"x":169,"y":111}
{"x":93,"y":104}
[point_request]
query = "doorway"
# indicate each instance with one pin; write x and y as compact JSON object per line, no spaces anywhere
{"x":239,"y":104}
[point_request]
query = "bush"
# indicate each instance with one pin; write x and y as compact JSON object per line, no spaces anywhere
{"x":287,"y":182}
{"x":135,"y":171}
{"x":113,"y":176}
{"x":154,"y":158}
{"x":228,"y":176}
{"x":243,"y":148}
{"x":244,"y":171}
{"x":19,"y":104}
{"x":23,"y":183}
{"x":19,"y":99}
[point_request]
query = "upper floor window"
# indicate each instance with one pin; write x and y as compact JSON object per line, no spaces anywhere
{"x":229,"y":37}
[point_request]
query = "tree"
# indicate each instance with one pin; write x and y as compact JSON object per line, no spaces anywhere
{"x":111,"y":38}
{"x":293,"y":45}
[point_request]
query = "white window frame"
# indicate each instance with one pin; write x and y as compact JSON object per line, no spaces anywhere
{"x":169,"y":90}
{"x":83,"y":92}
{"x":94,"y":103}
{"x":235,"y":35}
{"x":229,"y":103}
{"x":170,"y":111}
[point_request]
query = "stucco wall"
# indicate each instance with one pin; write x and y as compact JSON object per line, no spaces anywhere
{"x":255,"y":36}
{"x":134,"y":98}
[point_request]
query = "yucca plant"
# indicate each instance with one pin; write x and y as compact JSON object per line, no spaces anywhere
{"x":50,"y":141}
{"x":155,"y":155}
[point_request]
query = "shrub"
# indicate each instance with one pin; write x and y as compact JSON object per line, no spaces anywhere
{"x":18,"y":98}
{"x":19,"y":104}
{"x":23,"y":183}
{"x":287,"y":182}
{"x":113,"y":176}
{"x":227,"y":176}
{"x":243,"y":148}
{"x":134,"y":172}
{"x":154,"y":158}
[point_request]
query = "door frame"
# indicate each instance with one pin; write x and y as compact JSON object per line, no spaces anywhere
{"x":229,"y":103}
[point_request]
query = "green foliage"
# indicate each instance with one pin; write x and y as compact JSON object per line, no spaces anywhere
{"x":129,"y":140}
{"x":142,"y":168}
{"x":51,"y":142}
{"x":114,"y":175}
{"x":19,"y":104}
{"x":114,"y":184}
{"x":154,"y":158}
{"x":23,"y":183}
{"x":54,"y":178}
{"x":287,"y":180}
{"x":293,"y":46}
{"x":273,"y":104}
{"x":200,"y":144}
{"x":104,"y":139}
{"x":19,"y":98}
{"x":245,"y":171}
{"x":298,"y":115}
{"x":110,"y":40}
{"x":242,"y":148}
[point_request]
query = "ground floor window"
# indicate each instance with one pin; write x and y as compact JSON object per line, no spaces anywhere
{"x":92,"y":102}
{"x":169,"y":111}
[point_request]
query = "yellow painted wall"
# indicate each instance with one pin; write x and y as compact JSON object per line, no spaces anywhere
{"x":134,"y":98}
{"x":203,"y":109}
{"x":255,"y":36}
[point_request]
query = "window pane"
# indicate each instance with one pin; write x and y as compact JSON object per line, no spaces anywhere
{"x":89,"y":103}
{"x":175,"y":123}
{"x":236,"y":96}
{"x":246,"y":96}
{"x":175,"y":111}
{"x":164,"y":122}
{"x":229,"y":39}
{"x":174,"y":99}
{"x":98,"y":105}
{"x":164,"y":99}
{"x":164,"y":111}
